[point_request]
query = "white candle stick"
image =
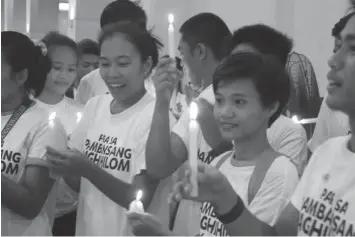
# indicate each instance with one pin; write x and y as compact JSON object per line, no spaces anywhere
{"x":194,"y":128}
{"x":137,"y":205}
{"x":171,"y":36}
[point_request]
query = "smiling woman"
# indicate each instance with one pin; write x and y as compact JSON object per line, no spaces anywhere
{"x":62,"y":52}
{"x":128,"y":56}
{"x":109,"y":143}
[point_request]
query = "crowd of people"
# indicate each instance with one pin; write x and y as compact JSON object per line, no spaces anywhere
{"x":87,"y":125}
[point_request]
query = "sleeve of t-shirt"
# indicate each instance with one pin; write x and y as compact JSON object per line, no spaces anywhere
{"x":181,"y":128}
{"x":275,"y":192}
{"x":84,"y":90}
{"x":48,"y":134}
{"x":78,"y":136}
{"x":293,"y":143}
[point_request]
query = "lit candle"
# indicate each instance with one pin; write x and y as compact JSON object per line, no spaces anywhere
{"x":194,"y":128}
{"x":137,"y":205}
{"x":78,"y":117}
{"x":295,"y":119}
{"x":51,"y":118}
{"x":171,"y":36}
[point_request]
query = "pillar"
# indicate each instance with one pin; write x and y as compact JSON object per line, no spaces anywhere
{"x":84,"y":18}
{"x":14,"y":17}
{"x":42,"y":17}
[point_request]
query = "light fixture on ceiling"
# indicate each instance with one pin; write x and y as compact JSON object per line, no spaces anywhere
{"x":63,"y":6}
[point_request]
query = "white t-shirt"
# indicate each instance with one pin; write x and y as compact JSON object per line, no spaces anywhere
{"x":66,"y":110}
{"x":92,"y":85}
{"x":117,"y":144}
{"x":69,"y":112}
{"x":274,"y":194}
{"x":26,"y":145}
{"x":325,"y":195}
{"x":329,"y":124}
{"x":285,"y":136}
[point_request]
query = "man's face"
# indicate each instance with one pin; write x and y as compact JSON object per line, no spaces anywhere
{"x":87,"y":63}
{"x":192,"y":63}
{"x":341,"y":77}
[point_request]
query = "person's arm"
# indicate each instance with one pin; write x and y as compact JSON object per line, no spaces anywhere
{"x":165,"y":151}
{"x":27,"y":197}
{"x":117,"y":190}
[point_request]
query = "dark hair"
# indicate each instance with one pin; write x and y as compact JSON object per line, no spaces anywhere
{"x":208,"y":29}
{"x":53,"y":39}
{"x":88,"y":46}
{"x":339,"y":26}
{"x":123,"y":10}
{"x":265,"y":39}
{"x":146,"y":44}
{"x":267,"y":73}
{"x":178,"y":61}
{"x":21,"y":53}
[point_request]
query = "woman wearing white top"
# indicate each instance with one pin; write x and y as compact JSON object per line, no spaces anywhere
{"x":62,"y":52}
{"x":251,"y":92}
{"x":27,"y":191}
{"x":108,"y":146}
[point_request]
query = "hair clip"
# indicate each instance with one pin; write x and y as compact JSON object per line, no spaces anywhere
{"x":43,"y":48}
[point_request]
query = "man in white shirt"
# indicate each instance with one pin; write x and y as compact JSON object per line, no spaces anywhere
{"x":330,"y":123}
{"x":92,"y":84}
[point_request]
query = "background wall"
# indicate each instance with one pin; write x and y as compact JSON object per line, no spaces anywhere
{"x":308,"y":22}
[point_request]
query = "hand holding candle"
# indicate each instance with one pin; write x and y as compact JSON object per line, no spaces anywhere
{"x":137,"y":205}
{"x":194,"y":128}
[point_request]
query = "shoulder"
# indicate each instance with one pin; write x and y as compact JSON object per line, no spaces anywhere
{"x":284,"y":126}
{"x":221,"y":159}
{"x":330,"y":146}
{"x":73,"y":104}
{"x":282,"y":171}
{"x":88,"y":78}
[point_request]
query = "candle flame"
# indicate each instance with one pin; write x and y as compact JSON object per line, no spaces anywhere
{"x":52,"y":116}
{"x":171,"y":18}
{"x":193,"y":110}
{"x":78,"y":117}
{"x":295,"y":119}
{"x":139,"y":195}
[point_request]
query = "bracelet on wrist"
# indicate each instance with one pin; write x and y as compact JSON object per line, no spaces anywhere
{"x":233,"y":214}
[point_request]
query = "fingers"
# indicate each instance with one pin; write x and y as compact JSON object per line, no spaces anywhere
{"x":55,"y":153}
{"x":164,"y":62}
{"x":135,"y":216}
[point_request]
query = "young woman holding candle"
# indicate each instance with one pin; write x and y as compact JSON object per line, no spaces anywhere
{"x":62,"y":52}
{"x":108,"y":145}
{"x":251,"y":92}
{"x":27,"y":191}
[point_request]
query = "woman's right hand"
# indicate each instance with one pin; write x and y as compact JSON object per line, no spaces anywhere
{"x":213,"y":187}
{"x":165,"y":78}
